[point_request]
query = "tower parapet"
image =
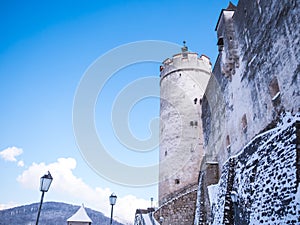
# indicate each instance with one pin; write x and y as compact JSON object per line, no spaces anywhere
{"x":185,"y":61}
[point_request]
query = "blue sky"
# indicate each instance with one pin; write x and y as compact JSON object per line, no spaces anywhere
{"x":45,"y":49}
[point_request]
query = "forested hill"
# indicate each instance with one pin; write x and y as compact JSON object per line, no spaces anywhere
{"x":53,"y":213}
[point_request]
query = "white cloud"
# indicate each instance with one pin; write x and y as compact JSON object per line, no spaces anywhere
{"x":21,"y":163}
{"x":11,"y":153}
{"x":8,"y":205}
{"x":67,"y":185}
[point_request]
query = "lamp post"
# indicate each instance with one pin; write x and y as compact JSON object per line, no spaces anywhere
{"x":112,"y":201}
{"x":45,"y":183}
{"x":234,"y":199}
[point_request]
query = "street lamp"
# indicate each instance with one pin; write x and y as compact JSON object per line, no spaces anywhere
{"x":45,"y":183}
{"x":234,"y":199}
{"x":112,"y":201}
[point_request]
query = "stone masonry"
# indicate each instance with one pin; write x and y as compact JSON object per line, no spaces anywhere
{"x":264,"y":177}
{"x":257,"y":88}
{"x":263,"y":81}
{"x":250,"y":116}
{"x":183,"y":80}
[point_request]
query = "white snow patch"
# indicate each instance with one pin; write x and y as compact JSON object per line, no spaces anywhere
{"x":251,"y":61}
{"x":198,"y":202}
{"x":149,"y":219}
{"x":298,"y":194}
{"x":259,"y":8}
{"x":213,"y":193}
{"x":276,"y":96}
{"x":212,"y":162}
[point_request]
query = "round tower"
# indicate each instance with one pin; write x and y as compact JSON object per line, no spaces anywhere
{"x":183,"y":80}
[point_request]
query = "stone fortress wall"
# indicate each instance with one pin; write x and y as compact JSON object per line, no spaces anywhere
{"x":250,"y":124}
{"x":256,"y":74}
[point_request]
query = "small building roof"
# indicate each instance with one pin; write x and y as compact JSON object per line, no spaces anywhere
{"x":80,"y":216}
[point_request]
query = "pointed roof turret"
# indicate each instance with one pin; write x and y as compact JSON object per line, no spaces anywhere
{"x":80,"y":216}
{"x":231,"y":6}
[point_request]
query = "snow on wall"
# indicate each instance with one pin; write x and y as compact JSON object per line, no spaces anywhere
{"x":213,"y":193}
{"x":145,"y":219}
{"x":218,"y":210}
{"x":198,"y":210}
{"x":264,"y":176}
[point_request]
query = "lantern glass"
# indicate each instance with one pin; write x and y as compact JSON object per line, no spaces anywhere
{"x":112,"y":199}
{"x":45,"y":182}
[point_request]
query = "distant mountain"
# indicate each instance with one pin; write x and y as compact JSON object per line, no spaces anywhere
{"x":52,"y":213}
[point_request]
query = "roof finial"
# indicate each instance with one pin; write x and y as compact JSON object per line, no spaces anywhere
{"x":231,"y":6}
{"x":184,"y":48}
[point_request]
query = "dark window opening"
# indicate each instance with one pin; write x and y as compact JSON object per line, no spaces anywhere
{"x":196,"y":123}
{"x":200,"y":101}
{"x":177,"y":181}
{"x":166,"y":153}
{"x":220,"y":43}
{"x":228,"y":146}
{"x":195,"y":101}
{"x":192,"y":148}
{"x":244,"y":123}
{"x":227,"y":141}
{"x":274,"y":91}
{"x":191,"y":123}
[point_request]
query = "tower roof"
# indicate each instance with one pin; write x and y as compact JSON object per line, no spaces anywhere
{"x":80,"y":216}
{"x":230,"y":7}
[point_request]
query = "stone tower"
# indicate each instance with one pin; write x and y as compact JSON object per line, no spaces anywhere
{"x":183,"y":80}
